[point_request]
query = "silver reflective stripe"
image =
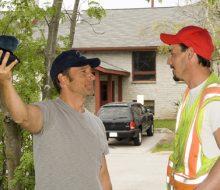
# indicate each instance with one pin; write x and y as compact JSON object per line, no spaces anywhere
{"x":179,"y":112}
{"x":178,"y":117}
{"x":168,"y":179}
{"x":199,"y":161}
{"x":211,"y":95}
{"x":189,"y":181}
{"x":170,"y":163}
{"x":188,"y":146}
{"x":213,"y":85}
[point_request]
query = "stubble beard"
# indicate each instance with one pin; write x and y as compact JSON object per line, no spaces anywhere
{"x":175,"y":78}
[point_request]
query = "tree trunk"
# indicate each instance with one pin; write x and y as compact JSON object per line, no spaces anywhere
{"x":12,"y":147}
{"x":51,"y":45}
{"x":73,"y":24}
{"x":3,"y":165}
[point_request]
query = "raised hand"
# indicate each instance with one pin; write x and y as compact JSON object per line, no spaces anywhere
{"x":6,"y":71}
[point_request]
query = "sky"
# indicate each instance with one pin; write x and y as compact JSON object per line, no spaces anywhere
{"x":118,"y":4}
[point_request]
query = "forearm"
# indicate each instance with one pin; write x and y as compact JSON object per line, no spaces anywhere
{"x":13,"y":103}
{"x":106,"y":183}
{"x":30,"y":117}
{"x":104,"y":176}
{"x":212,"y":182}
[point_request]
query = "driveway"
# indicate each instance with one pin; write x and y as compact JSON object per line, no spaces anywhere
{"x":135,"y":167}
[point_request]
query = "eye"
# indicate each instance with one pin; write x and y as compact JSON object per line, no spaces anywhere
{"x":92,"y":71}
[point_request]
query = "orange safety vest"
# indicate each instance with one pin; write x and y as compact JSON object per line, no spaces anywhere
{"x":189,"y":178}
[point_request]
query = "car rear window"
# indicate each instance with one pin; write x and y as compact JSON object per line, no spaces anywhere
{"x":114,"y":112}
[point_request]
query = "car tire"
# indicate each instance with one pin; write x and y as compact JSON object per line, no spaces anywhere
{"x":150,"y":131}
{"x":138,"y":139}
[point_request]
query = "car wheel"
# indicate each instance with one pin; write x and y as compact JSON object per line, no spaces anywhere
{"x":138,"y":139}
{"x":150,"y":131}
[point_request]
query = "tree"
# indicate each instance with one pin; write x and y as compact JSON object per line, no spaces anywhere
{"x":53,"y":26}
{"x":31,"y":79}
{"x":18,"y":21}
{"x":94,"y":10}
{"x":206,"y":13}
{"x":212,"y":14}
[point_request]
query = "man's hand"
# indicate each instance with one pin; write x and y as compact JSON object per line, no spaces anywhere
{"x":29,"y":117}
{"x":6,"y":71}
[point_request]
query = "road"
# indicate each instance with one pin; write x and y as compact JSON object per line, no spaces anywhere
{"x":135,"y":167}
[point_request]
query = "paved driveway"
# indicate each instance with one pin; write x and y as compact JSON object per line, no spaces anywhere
{"x":135,"y":167}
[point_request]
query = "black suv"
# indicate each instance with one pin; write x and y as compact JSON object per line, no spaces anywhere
{"x":127,"y":120}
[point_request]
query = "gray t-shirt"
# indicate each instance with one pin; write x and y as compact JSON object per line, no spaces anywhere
{"x":69,"y":149}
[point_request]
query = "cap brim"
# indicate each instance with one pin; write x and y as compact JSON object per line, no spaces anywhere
{"x":93,"y":62}
{"x":169,"y":39}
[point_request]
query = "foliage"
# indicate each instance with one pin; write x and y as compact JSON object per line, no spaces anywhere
{"x":25,"y":20}
{"x":95,"y":10}
{"x":211,"y":9}
{"x":163,"y":49}
{"x":20,"y":21}
{"x":1,"y":148}
{"x":16,"y":22}
{"x":206,"y":13}
{"x":24,"y":173}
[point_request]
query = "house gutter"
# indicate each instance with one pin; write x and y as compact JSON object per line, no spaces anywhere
{"x":133,"y":48}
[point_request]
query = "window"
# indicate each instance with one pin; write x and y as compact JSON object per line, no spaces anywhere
{"x":144,"y":65}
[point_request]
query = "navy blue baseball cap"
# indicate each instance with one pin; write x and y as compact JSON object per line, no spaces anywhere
{"x":71,"y":58}
{"x":8,"y":43}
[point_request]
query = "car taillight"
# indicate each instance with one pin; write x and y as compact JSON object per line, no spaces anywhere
{"x":132,"y":125}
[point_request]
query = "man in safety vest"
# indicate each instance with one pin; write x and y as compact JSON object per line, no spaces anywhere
{"x":195,"y":162}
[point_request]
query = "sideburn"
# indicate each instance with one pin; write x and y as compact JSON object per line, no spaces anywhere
{"x":69,"y":77}
{"x":67,"y":74}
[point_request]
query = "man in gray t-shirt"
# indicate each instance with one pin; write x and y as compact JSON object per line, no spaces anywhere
{"x":69,"y":142}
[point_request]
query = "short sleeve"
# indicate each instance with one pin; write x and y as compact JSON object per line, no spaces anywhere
{"x":211,"y":122}
{"x":45,"y":108}
{"x":211,"y":112}
{"x":106,"y":149}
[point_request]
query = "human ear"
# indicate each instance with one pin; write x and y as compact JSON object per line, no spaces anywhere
{"x":190,"y":52}
{"x":61,"y":78}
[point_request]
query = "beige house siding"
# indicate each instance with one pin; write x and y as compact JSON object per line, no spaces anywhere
{"x":137,"y":28}
{"x":164,"y":91}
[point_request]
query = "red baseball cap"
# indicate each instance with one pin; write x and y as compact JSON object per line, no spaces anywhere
{"x":192,"y":36}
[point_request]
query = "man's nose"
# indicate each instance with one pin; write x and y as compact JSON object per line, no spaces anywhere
{"x":169,"y":61}
{"x":91,"y":76}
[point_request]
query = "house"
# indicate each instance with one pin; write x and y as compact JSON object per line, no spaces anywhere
{"x":126,"y":41}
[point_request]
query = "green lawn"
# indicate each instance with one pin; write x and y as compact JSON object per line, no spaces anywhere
{"x":165,"y":123}
{"x":165,"y":144}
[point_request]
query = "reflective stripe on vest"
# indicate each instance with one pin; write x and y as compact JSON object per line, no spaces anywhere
{"x":181,"y":108}
{"x":192,"y":163}
{"x":179,"y":181}
{"x":193,"y":150}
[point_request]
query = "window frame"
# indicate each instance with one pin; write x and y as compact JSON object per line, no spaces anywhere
{"x":143,"y":72}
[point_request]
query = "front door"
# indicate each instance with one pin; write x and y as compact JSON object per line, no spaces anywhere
{"x":104,"y":92}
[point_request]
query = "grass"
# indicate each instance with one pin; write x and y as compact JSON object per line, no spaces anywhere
{"x":165,"y":144}
{"x":165,"y":123}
